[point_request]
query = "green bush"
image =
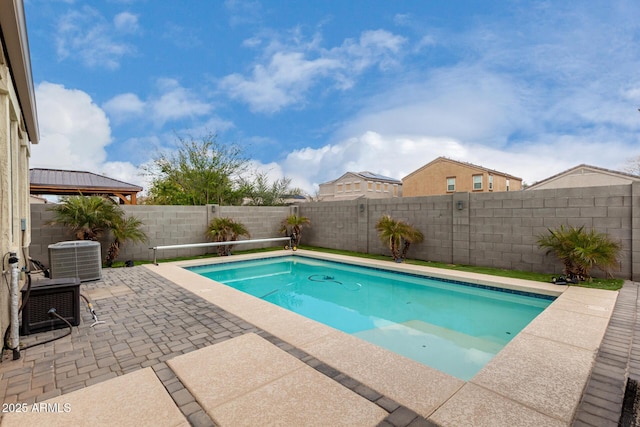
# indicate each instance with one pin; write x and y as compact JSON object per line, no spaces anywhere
{"x":398,"y":235}
{"x":580,"y":250}
{"x":224,"y":229}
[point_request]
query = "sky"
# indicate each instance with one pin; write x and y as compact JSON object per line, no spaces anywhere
{"x":313,"y":89}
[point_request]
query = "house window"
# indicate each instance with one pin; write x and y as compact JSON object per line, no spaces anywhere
{"x":370,"y":186}
{"x":395,"y":190}
{"x":347,"y":186}
{"x":386,"y":188}
{"x":477,"y":182}
{"x":378,"y":186}
{"x":507,"y":184}
{"x":490,"y":182}
{"x":339,"y":188}
{"x":451,"y":184}
{"x":356,"y":186}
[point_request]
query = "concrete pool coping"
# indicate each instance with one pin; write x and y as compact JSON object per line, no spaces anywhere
{"x":537,"y":379}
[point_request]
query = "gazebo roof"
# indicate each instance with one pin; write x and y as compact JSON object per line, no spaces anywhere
{"x":66,"y":182}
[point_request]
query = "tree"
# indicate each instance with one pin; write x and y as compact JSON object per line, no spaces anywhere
{"x":410,"y":235}
{"x":580,"y":251}
{"x":397,"y":234}
{"x":261,"y":192}
{"x":199,"y":172}
{"x":224,"y":229}
{"x":633,"y":166}
{"x":292,"y":226}
{"x":124,"y":229}
{"x":88,"y":217}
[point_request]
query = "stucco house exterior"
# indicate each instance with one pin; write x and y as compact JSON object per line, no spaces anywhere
{"x":585,"y":176}
{"x":444,"y":176}
{"x":352,"y":185}
{"x":18,"y":130}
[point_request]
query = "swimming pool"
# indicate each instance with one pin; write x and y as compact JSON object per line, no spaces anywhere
{"x":452,"y":326}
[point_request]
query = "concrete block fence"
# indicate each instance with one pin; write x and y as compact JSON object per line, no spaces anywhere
{"x":484,"y":229}
{"x":164,"y":225}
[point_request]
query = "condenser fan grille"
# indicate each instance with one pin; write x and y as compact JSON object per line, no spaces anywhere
{"x":79,"y":258}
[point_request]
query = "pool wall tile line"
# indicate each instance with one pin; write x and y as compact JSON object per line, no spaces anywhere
{"x":439,"y":273}
{"x":471,"y":282}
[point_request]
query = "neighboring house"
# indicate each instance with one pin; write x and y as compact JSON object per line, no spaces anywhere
{"x":352,"y":185}
{"x":585,"y":176}
{"x":18,"y":130}
{"x":65,"y":183}
{"x":443,"y":176}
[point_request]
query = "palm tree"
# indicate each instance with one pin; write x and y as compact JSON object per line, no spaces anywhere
{"x":224,"y":229}
{"x":410,"y":235}
{"x":292,"y":226}
{"x":124,"y":229}
{"x":389,"y":232}
{"x":397,"y":234}
{"x":88,"y":217}
{"x":580,"y":251}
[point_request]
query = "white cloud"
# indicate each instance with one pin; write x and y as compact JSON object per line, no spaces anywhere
{"x":465,"y":103}
{"x":374,"y":47}
{"x":397,"y":156}
{"x":123,"y":171}
{"x":124,"y":106}
{"x":126,"y":22}
{"x":284,"y":81}
{"x":291,"y":69}
{"x":86,"y":35}
{"x":243,"y":12}
{"x":530,"y":103}
{"x":74,"y":134}
{"x":393,"y":156}
{"x":74,"y":130}
{"x":172,"y":102}
{"x":176,"y":102}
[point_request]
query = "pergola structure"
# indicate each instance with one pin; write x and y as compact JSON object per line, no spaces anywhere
{"x":64,"y":182}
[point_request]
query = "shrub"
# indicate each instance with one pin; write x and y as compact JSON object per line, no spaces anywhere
{"x":398,"y":235}
{"x":292,"y":226}
{"x":580,"y":251}
{"x":224,"y":229}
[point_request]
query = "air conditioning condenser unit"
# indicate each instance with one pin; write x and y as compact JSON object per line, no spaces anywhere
{"x":77,"y":258}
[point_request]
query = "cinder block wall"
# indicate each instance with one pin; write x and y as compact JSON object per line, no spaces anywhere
{"x":262,"y":222}
{"x":492,"y":229}
{"x":485,"y":229}
{"x":164,"y":225}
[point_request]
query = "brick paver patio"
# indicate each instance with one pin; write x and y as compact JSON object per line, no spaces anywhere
{"x":148,"y":320}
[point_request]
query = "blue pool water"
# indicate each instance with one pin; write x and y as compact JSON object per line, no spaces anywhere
{"x":454,"y":327}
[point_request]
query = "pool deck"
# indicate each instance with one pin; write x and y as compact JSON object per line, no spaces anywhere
{"x":179,"y":349}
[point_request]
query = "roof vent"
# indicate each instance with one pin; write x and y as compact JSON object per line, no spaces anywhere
{"x":77,"y":258}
